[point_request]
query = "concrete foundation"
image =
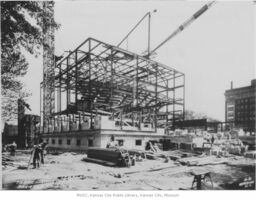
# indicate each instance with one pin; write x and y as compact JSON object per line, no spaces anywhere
{"x":99,"y":138}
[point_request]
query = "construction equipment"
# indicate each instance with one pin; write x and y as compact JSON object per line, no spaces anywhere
{"x":202,"y":178}
{"x":184,"y":25}
{"x":48,"y":62}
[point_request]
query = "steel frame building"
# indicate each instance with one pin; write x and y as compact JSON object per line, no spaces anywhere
{"x":101,"y":79}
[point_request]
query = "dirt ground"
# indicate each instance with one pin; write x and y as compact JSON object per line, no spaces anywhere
{"x":67,"y":171}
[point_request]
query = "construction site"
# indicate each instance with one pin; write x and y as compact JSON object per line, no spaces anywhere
{"x":113,"y":119}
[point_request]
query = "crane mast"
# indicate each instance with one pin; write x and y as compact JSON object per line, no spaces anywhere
{"x":48,"y":60}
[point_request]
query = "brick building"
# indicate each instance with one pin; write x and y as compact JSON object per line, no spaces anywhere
{"x":240,"y":107}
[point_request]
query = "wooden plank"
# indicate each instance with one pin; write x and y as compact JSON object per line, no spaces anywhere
{"x":112,"y":164}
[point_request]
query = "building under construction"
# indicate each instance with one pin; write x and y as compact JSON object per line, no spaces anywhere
{"x":99,"y":90}
{"x":102,"y":88}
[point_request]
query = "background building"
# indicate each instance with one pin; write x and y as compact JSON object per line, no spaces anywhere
{"x":25,"y":132}
{"x":240,"y":107}
{"x":10,"y":134}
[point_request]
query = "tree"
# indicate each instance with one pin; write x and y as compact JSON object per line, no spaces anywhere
{"x":190,"y":115}
{"x":22,"y":24}
{"x":12,"y":88}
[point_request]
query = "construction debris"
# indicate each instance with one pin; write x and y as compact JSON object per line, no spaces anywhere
{"x":146,"y":175}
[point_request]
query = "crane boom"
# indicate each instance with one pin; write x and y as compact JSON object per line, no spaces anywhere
{"x":184,"y":25}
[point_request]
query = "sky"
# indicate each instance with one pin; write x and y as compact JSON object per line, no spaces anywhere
{"x":213,"y":51}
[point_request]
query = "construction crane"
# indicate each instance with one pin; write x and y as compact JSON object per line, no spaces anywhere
{"x":183,"y":26}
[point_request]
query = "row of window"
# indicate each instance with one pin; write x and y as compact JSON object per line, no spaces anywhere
{"x":245,"y":100}
{"x":90,"y":142}
{"x":245,"y":119}
{"x":244,"y":94}
{"x":68,"y":142}
{"x":246,"y":114}
{"x":245,"y":107}
{"x":137,"y":142}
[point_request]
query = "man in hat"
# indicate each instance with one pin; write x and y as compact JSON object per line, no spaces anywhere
{"x":42,"y":147}
{"x":36,"y":155}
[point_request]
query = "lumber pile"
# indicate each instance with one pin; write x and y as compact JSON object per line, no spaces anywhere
{"x":154,"y":155}
{"x":155,"y":152}
{"x":108,"y":156}
{"x":250,"y":154}
{"x":202,"y":160}
{"x":7,"y":161}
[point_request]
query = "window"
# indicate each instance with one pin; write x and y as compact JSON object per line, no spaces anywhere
{"x":78,"y":142}
{"x":230,"y":114}
{"x":138,"y":142}
{"x":120,"y":142}
{"x":53,"y":141}
{"x":90,"y":142}
{"x":68,"y":141}
{"x":230,"y":108}
{"x":60,"y":142}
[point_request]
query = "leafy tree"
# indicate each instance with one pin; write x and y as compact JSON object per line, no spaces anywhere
{"x":190,"y":115}
{"x":22,"y":28}
{"x":11,"y":68}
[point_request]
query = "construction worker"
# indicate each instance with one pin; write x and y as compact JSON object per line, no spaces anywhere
{"x":36,"y":155}
{"x":13,"y":147}
{"x":112,"y":143}
{"x":42,"y":147}
{"x":212,"y":140}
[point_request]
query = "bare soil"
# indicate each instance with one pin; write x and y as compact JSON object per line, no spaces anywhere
{"x":67,"y":171}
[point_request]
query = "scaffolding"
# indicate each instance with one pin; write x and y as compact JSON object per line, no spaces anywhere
{"x":99,"y":79}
